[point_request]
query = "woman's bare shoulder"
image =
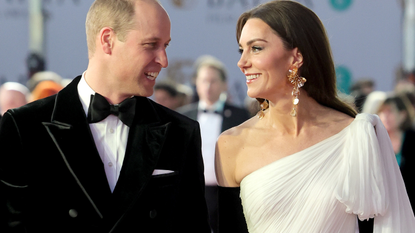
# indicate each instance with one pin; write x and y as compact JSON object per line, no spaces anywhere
{"x":339,"y":119}
{"x":235,"y":135}
{"x":333,"y":121}
{"x":228,"y":148}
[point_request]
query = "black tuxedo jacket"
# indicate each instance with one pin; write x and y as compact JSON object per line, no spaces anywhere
{"x":53,"y":179}
{"x":231,"y":115}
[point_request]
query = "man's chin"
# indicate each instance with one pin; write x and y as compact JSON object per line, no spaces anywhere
{"x":144,"y":93}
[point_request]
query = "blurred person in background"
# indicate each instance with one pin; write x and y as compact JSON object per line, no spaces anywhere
{"x":44,"y":89}
{"x":407,"y":88}
{"x":360,"y":90}
{"x":214,"y":115}
{"x":44,"y":76}
{"x":166,"y":94}
{"x":185,"y":94}
{"x":171,"y":95}
{"x":12,"y":95}
{"x":373,"y":101}
{"x":397,"y":114}
{"x":45,"y":83}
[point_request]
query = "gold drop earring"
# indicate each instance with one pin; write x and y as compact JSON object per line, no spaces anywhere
{"x":264,"y":106}
{"x":297,"y":82}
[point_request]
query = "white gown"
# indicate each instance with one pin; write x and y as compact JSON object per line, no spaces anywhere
{"x":324,"y":187}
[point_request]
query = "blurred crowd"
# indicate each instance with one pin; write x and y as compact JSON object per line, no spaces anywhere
{"x":207,"y":100}
{"x":396,"y":108}
{"x":40,"y":85}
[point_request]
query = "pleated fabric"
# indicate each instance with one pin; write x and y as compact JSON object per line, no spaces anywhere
{"x":324,"y":187}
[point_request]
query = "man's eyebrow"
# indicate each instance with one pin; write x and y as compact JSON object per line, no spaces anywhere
{"x":155,"y":39}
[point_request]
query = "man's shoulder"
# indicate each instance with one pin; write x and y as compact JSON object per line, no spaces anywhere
{"x":29,"y":116}
{"x":35,"y":108}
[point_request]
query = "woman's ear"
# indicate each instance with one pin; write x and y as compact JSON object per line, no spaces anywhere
{"x":298,"y":57}
{"x":107,"y":37}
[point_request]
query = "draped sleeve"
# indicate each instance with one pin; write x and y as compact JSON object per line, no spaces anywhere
{"x":371,"y":184}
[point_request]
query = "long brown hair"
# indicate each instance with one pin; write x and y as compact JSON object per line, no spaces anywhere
{"x":299,"y":27}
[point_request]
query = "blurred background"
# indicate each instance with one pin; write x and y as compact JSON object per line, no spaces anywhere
{"x":371,"y":40}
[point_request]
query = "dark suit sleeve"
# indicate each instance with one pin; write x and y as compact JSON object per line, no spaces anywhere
{"x":12,"y":183}
{"x":194,"y":209}
{"x":366,"y":226}
{"x":231,"y":216}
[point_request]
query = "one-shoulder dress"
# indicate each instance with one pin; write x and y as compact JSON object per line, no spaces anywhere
{"x":323,"y":188}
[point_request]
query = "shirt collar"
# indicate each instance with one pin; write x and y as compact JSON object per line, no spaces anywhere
{"x":218,"y":106}
{"x":85,"y":92}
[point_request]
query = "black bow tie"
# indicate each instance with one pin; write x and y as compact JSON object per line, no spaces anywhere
{"x":99,"y":109}
{"x":210,"y":111}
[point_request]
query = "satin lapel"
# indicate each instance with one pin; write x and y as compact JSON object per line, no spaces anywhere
{"x":70,"y":132}
{"x":145,"y":143}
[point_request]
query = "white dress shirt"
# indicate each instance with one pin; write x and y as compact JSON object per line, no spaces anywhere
{"x":210,"y":129}
{"x":110,"y":136}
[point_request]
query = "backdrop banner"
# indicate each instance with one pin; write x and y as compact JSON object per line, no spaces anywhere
{"x":365,"y":37}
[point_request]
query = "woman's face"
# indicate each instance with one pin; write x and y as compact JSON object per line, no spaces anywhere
{"x":391,"y":117}
{"x":264,"y":61}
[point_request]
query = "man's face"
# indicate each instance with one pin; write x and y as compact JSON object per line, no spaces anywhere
{"x":209,"y":85}
{"x":137,"y":61}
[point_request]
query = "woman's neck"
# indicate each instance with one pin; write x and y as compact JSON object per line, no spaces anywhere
{"x":278,"y":115}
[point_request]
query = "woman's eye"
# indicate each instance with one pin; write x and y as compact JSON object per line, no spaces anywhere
{"x":240,"y":50}
{"x":256,"y":48}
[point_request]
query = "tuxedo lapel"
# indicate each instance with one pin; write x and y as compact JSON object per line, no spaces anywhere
{"x":70,"y":132}
{"x":145,"y":142}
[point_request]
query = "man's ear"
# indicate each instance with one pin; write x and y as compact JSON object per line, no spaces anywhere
{"x":106,"y":39}
{"x":298,"y":57}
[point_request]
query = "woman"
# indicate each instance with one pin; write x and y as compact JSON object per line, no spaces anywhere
{"x":307,"y":163}
{"x":397,"y":115}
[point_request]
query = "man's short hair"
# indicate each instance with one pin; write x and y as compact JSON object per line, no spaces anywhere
{"x":212,"y":62}
{"x":119,"y":15}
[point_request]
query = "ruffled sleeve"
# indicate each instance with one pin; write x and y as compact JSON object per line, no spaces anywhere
{"x":371,"y":184}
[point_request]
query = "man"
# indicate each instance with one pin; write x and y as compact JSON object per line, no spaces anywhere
{"x":65,"y":167}
{"x":214,"y":115}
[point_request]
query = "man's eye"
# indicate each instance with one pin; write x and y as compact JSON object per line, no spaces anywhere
{"x":151,"y":45}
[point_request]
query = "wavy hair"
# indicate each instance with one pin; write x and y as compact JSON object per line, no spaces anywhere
{"x":299,"y":27}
